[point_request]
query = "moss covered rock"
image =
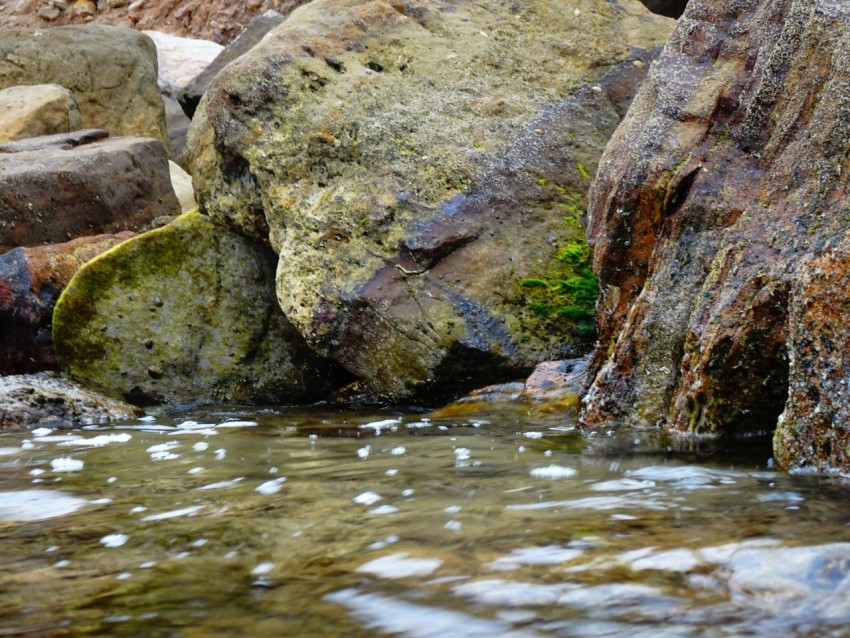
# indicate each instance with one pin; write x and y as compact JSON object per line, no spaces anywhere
{"x":412,"y":163}
{"x":184,"y":313}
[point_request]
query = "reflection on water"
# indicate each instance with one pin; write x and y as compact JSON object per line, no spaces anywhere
{"x":322,"y":523}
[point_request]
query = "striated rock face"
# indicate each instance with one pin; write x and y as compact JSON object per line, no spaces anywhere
{"x":111,"y":71}
{"x":30,"y":401}
{"x":58,"y":187}
{"x":40,"y":109}
{"x":184,"y":313}
{"x":420,"y":170}
{"x":719,"y":224}
{"x":31,"y":280}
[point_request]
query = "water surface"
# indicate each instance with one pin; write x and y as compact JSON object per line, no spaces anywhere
{"x":234,"y":522}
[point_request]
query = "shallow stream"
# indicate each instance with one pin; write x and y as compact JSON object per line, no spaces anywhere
{"x":277,"y":522}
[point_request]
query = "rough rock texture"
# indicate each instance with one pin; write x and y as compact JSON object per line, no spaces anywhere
{"x":217,"y":20}
{"x":39,"y":109}
{"x":58,"y":187}
{"x":413,"y":163}
{"x":112,"y":73}
{"x":719,"y":222}
{"x":253,"y":33}
{"x":31,"y":280}
{"x":184,"y":313}
{"x":42,"y":400}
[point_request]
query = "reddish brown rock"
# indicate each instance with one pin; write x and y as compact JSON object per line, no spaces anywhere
{"x":59,"y":187}
{"x":31,"y":280}
{"x":719,"y":219}
{"x":218,"y":20}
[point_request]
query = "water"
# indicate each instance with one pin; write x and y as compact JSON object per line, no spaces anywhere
{"x":322,"y":523}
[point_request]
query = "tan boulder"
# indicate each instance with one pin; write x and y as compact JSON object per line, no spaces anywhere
{"x":42,"y":109}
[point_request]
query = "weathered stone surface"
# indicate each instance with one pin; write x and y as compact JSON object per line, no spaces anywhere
{"x":413,"y":164}
{"x":40,"y":109}
{"x":111,"y":71}
{"x":31,"y":280}
{"x":192,"y":92}
{"x":184,"y":313}
{"x":719,"y":219}
{"x":59,"y":187}
{"x":43,"y":400}
{"x":181,"y":59}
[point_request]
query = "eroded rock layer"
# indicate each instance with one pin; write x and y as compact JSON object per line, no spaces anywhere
{"x":719,"y":222}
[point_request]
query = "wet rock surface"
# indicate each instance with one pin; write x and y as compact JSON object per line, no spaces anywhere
{"x":58,"y":187}
{"x":43,"y":400}
{"x":111,"y":71}
{"x":412,"y":165}
{"x":184,"y":314}
{"x":720,"y":231}
{"x":31,"y":280}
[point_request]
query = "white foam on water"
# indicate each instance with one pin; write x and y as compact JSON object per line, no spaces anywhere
{"x":398,"y":451}
{"x":220,"y":453}
{"x":384,"y":509}
{"x":363,"y":452}
{"x":222,"y":484}
{"x":533,"y":435}
{"x":66,"y":464}
{"x":200,"y":446}
{"x":622,"y":485}
{"x":262,"y":569}
{"x":8,"y":451}
{"x":100,"y":440}
{"x":114,"y":540}
{"x":462,"y":453}
{"x":271,"y":487}
{"x":185,"y":511}
{"x":453,"y":526}
{"x":400,"y":565}
{"x":41,"y":432}
{"x":238,"y":424}
{"x":380,"y":426}
{"x":37,"y":505}
{"x":553,"y":472}
{"x":367,"y":498}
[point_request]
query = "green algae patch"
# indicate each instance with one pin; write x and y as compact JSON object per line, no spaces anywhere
{"x":184,"y":313}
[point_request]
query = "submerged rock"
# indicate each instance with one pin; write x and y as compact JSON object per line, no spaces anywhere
{"x":58,"y":187}
{"x":420,"y":169}
{"x":31,"y":280}
{"x":111,"y":71}
{"x":184,"y":313}
{"x":720,"y":231}
{"x":43,"y":400}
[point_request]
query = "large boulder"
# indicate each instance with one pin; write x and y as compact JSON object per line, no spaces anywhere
{"x":58,"y":187}
{"x":39,"y":109}
{"x":720,"y":229}
{"x":181,"y":59}
{"x":184,"y":313}
{"x":111,"y":71}
{"x":194,"y":90}
{"x":31,"y":280}
{"x":29,"y":401}
{"x":421,"y":169}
